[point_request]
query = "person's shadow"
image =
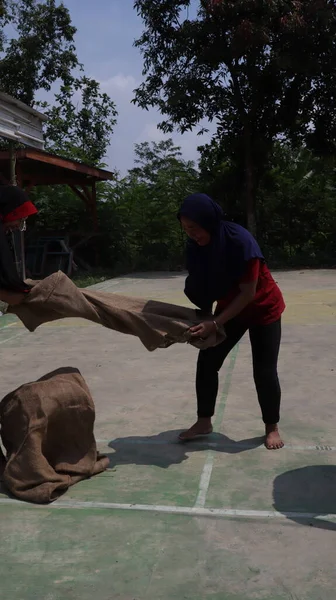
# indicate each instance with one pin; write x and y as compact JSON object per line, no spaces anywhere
{"x":164,"y":449}
{"x":304,"y":494}
{"x":301,"y":495}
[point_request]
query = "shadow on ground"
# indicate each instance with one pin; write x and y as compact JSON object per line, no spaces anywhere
{"x":164,"y":449}
{"x":310,"y":489}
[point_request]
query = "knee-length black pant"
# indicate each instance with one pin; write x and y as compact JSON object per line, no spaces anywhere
{"x":265,"y":343}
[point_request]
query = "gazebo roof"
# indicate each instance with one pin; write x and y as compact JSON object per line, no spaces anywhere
{"x":36,"y":167}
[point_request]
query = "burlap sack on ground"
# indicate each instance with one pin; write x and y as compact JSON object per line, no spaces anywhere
{"x":47,"y":432}
{"x":157,"y":324}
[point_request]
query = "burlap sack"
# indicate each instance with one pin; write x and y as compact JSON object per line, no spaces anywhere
{"x":156,"y":324}
{"x":47,"y":432}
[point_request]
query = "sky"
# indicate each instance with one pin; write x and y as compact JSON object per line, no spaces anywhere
{"x":106,"y":30}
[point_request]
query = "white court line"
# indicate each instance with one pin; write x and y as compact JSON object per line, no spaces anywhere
{"x":204,"y":483}
{"x":13,"y":337}
{"x":9,"y":325}
{"x":209,"y":445}
{"x":177,"y":510}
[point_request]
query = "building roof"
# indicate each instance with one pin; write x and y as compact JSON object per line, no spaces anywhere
{"x":22,"y":106}
{"x":36,"y":167}
{"x":21,"y":123}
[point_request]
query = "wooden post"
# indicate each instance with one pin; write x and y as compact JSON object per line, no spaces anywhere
{"x":94,"y":217}
{"x":17,"y":236}
{"x":94,"y":206}
{"x":12,"y":163}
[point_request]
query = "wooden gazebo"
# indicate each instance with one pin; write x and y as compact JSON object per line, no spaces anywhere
{"x":36,"y":167}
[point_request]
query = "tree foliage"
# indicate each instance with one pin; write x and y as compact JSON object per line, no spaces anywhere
{"x":42,"y":50}
{"x":297,"y":208}
{"x":296,"y":211}
{"x":137,"y":214}
{"x":80,"y":121}
{"x":260,"y":69}
{"x":149,"y":198}
{"x":81,"y":118}
{"x":3,"y":22}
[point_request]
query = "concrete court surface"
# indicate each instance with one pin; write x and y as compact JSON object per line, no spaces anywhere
{"x":218,"y":519}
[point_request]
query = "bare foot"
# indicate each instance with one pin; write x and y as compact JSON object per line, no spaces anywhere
{"x":201,"y":427}
{"x":273,"y":440}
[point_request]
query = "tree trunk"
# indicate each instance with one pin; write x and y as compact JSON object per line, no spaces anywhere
{"x":17,"y":236}
{"x":250,"y":214}
{"x":249,"y":188}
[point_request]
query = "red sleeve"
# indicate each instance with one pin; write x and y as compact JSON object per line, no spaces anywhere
{"x":252,"y":271}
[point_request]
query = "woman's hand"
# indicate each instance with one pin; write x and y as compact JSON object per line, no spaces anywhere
{"x":203,"y":330}
{"x":11,"y":298}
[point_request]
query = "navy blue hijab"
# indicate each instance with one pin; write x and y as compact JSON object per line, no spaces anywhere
{"x":216,"y":268}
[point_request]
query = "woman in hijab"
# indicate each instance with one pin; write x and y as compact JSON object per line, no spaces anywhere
{"x":226,"y":266}
{"x":15,"y":208}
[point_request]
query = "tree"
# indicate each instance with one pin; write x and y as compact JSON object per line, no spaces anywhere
{"x":297,"y":208}
{"x":222,"y":180}
{"x":41,"y":53}
{"x":262,"y":69}
{"x":148,"y":203}
{"x":60,"y":210}
{"x":3,"y":22}
{"x":80,"y":128}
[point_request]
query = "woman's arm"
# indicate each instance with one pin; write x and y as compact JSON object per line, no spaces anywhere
{"x":246,"y":295}
{"x":247,"y":287}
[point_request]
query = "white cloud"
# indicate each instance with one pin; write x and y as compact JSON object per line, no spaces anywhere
{"x":119,"y":84}
{"x":136,"y":125}
{"x":105,"y":43}
{"x":188,"y":141}
{"x":151,"y":133}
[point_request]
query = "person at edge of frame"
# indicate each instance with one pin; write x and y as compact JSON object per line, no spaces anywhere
{"x":15,"y":208}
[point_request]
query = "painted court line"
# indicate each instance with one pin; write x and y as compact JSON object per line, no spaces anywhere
{"x":208,"y":467}
{"x":9,"y":325}
{"x":13,"y":337}
{"x":205,"y":481}
{"x":177,"y":510}
{"x":209,"y":445}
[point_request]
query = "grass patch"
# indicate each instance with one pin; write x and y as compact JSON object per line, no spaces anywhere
{"x":83,"y":280}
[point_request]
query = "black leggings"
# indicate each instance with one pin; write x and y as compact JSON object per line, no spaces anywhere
{"x":265,"y":343}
